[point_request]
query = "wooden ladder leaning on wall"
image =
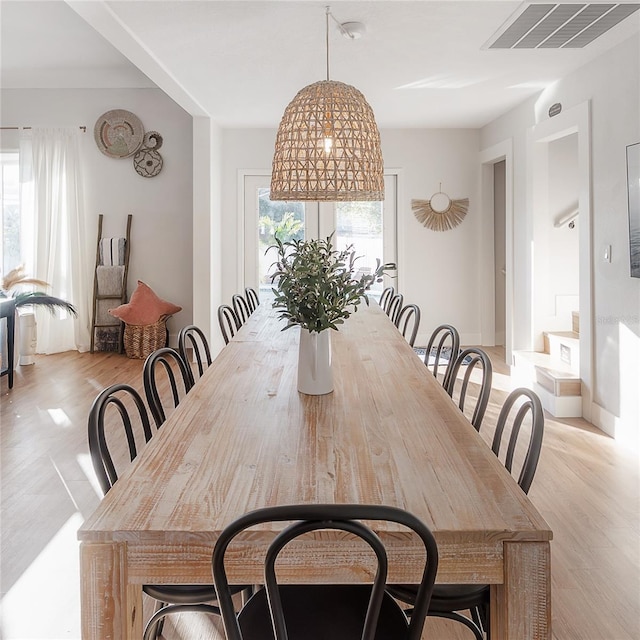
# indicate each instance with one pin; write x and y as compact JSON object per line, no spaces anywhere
{"x":118,"y":298}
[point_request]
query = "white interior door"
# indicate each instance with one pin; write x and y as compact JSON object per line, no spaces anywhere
{"x":371,"y":227}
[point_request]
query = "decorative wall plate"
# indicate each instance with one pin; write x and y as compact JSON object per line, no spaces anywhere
{"x":440,"y":212}
{"x":152,"y":140}
{"x":148,"y":163}
{"x":118,"y":133}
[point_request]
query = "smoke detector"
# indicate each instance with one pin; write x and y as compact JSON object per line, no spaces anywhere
{"x":352,"y":30}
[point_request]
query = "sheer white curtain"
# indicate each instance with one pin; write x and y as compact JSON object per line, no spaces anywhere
{"x":52,"y":202}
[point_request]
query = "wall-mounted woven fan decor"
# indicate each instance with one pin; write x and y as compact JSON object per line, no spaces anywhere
{"x":440,"y":212}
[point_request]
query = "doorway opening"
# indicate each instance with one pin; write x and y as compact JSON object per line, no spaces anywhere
{"x":560,"y":270}
{"x":498,"y":316}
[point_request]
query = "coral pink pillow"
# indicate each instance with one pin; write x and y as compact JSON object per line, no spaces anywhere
{"x":144,"y":307}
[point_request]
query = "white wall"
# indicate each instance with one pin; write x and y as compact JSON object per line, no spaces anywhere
{"x":161,"y":232}
{"x":250,"y":149}
{"x":611,"y":84}
{"x":437,"y":270}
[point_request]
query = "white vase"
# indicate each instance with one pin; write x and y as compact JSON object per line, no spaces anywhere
{"x":315,"y":376}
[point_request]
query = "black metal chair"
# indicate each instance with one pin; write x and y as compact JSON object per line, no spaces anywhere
{"x":119,"y":412}
{"x":449,"y":600}
{"x":251,"y":296}
{"x":229,"y":323}
{"x":127,"y":413}
{"x":408,"y":322}
{"x":241,"y":308}
{"x":316,"y":612}
{"x":507,"y":423}
{"x":472,"y":358}
{"x":177,"y":375}
{"x":446,"y":341}
{"x":385,"y":298}
{"x":395,"y":306}
{"x":193,"y":343}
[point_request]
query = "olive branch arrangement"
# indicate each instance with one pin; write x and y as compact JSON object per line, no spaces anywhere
{"x":314,"y":284}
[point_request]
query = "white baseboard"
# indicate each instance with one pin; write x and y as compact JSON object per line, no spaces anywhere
{"x":603,"y":419}
{"x":625,"y":431}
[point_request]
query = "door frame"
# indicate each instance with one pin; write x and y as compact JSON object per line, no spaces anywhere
{"x":242,"y":174}
{"x":488,"y":157}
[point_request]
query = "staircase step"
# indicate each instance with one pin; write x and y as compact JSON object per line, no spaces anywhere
{"x":564,"y":349}
{"x":554,"y":382}
{"x":559,"y":406}
{"x":559,"y":383}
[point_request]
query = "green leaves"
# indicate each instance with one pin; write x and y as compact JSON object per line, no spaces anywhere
{"x":314,"y":285}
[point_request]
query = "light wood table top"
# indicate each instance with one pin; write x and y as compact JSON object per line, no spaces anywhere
{"x":245,"y":438}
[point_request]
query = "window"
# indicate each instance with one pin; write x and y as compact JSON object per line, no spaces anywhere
{"x":360,"y":224}
{"x":10,"y":230}
{"x":284,"y":219}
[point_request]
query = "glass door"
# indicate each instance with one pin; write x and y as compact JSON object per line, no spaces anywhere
{"x":369,"y":226}
{"x":264,"y":219}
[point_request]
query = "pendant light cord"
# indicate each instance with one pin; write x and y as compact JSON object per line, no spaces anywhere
{"x":345,"y":32}
{"x":328,"y":13}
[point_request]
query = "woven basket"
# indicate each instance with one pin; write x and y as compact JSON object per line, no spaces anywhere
{"x":141,"y":340}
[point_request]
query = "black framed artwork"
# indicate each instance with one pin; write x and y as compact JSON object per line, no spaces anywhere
{"x":633,"y":188}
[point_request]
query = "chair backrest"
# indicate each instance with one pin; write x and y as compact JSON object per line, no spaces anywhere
{"x":395,"y":306}
{"x":472,"y":358}
{"x":314,"y":517}
{"x":514,"y":425}
{"x":119,"y":408}
{"x":229,"y":323}
{"x":177,"y":375}
{"x":241,"y":308}
{"x":252,"y":299}
{"x":192,"y":337}
{"x":385,"y":298}
{"x":408,"y":322}
{"x":443,"y":347}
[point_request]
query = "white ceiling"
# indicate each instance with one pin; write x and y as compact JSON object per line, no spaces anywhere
{"x":420,"y":64}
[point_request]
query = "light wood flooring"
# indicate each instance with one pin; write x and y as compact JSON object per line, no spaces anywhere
{"x":587,"y":487}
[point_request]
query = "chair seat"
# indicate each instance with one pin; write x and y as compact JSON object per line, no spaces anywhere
{"x":446,"y":597}
{"x":458,"y":597}
{"x":181,"y":593}
{"x":321,"y":612}
{"x":185,"y":593}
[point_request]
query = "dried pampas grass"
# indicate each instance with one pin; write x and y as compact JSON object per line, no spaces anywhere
{"x":440,"y":218}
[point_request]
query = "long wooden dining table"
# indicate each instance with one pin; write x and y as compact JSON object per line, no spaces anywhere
{"x":244,"y":438}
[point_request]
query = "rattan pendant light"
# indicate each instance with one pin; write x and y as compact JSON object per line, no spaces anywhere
{"x":328,"y":145}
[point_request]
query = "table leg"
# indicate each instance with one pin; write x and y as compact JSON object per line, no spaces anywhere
{"x":10,"y":337}
{"x":11,"y":332}
{"x":521,"y":607}
{"x":111,"y":608}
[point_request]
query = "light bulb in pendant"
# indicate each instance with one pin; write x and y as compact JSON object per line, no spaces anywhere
{"x":328,"y":131}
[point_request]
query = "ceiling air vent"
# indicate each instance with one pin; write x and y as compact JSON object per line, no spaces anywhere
{"x":556,"y":26}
